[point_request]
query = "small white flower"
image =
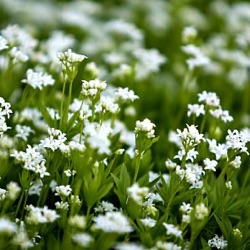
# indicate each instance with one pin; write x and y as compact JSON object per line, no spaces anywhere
{"x":210,"y":164}
{"x":18,"y":56}
{"x":190,"y":136}
{"x":38,"y":79}
{"x":196,"y":109}
{"x":105,"y":206}
{"x":82,"y":239}
{"x":23,"y":132}
{"x":63,"y":190}
{"x":148,"y":222}
{"x":36,"y":187}
{"x":229,"y":185}
{"x":77,"y":221}
{"x":209,"y":98}
{"x":7,"y":226}
{"x":236,"y":163}
{"x":188,"y":34}
{"x":128,"y":246}
{"x":125,"y":94}
{"x":172,"y":230}
{"x":13,"y":190}
{"x":21,"y":239}
{"x":237,"y":140}
{"x":166,"y":246}
{"x":221,"y":114}
{"x":185,"y":208}
{"x":114,"y":222}
{"x":70,"y":57}
{"x":138,"y":194}
{"x":62,"y":205}
{"x":3,"y":43}
{"x":217,"y":242}
{"x":145,"y":126}
{"x":201,"y":211}
{"x":92,"y":87}
{"x":55,"y":140}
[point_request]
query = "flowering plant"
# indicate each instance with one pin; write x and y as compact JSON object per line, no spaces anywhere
{"x":112,"y":139}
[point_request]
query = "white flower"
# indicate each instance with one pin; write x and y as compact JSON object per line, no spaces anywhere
{"x":148,"y":222}
{"x":196,"y":109}
{"x":201,"y":211}
{"x":63,"y":190}
{"x":191,"y":154}
{"x":93,"y":87}
{"x":36,"y":187}
{"x":188,"y":34}
{"x":3,"y":43}
{"x":185,"y":208}
{"x":105,"y":206}
{"x":217,"y":242}
{"x":145,"y":126}
{"x":172,"y":230}
{"x":237,"y":140}
{"x":62,"y":205}
{"x":37,"y":215}
{"x":2,"y":194}
{"x":209,"y":98}
{"x":7,"y":226}
{"x":114,"y":222}
{"x":70,"y":57}
{"x":82,"y":239}
{"x":125,"y":94}
{"x":38,"y":79}
{"x":32,"y":159}
{"x":219,"y":150}
{"x":137,"y":193}
{"x":13,"y":190}
{"x":5,"y":108}
{"x":198,"y":58}
{"x":221,"y":114}
{"x":18,"y":56}
{"x":193,"y":175}
{"x":210,"y":164}
{"x":21,"y":239}
{"x":229,"y":185}
{"x":149,"y":61}
{"x":128,"y":246}
{"x":23,"y":131}
{"x":236,"y":162}
{"x":77,"y":221}
{"x":55,"y":140}
{"x":69,"y":172}
{"x":190,"y":136}
{"x":160,"y":245}
{"x":97,"y":136}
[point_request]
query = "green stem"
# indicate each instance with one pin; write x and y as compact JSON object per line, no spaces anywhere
{"x":62,"y":102}
{"x":137,"y":166}
{"x":19,"y":203}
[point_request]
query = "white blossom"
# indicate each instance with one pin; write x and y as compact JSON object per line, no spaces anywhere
{"x":217,"y":242}
{"x":114,"y":222}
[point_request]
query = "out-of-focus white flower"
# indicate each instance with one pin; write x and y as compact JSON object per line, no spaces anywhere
{"x":145,"y":126}
{"x":217,"y":242}
{"x":82,"y":239}
{"x":138,"y":194}
{"x":172,"y":230}
{"x":114,"y":222}
{"x":210,"y":164}
{"x":209,"y":98}
{"x":201,"y":211}
{"x":38,"y":79}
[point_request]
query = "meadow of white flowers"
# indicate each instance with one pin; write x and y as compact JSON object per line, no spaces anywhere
{"x":124,"y":124}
